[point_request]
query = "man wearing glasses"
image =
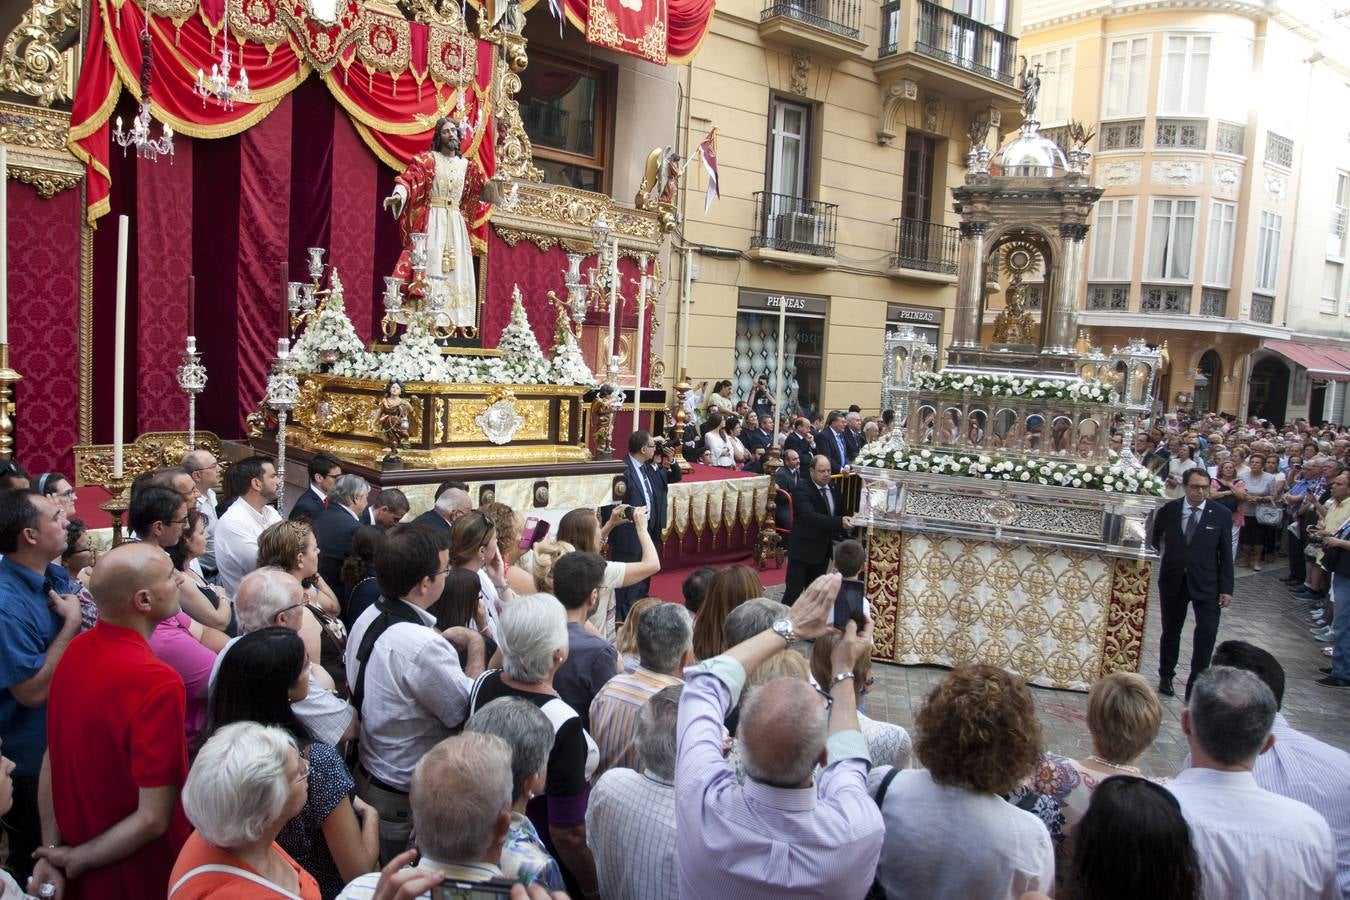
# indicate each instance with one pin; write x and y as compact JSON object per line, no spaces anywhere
{"x":205,"y":471}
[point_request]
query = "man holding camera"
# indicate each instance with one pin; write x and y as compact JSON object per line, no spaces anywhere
{"x":648,"y":469}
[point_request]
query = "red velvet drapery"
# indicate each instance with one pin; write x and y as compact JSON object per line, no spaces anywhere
{"x":393,"y":111}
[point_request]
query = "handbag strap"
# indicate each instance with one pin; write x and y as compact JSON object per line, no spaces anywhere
{"x":885,"y":785}
{"x":234,"y":871}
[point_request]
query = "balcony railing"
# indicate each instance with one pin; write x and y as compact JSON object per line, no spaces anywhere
{"x":890,"y":28}
{"x":1229,"y":137}
{"x":964,"y":42}
{"x":836,"y":16}
{"x":1263,"y":309}
{"x":926,"y":246}
{"x":1181,"y":134}
{"x":794,"y":224}
{"x":1123,"y":135}
{"x":1214,"y":302}
{"x":1166,"y":298}
{"x":1114,"y":297}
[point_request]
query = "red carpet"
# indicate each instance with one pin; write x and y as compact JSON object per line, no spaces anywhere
{"x":667,"y":584}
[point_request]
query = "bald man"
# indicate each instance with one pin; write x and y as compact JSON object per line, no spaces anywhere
{"x":833,"y":826}
{"x":112,"y":824}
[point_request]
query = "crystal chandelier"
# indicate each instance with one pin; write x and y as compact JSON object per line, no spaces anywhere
{"x":218,"y":86}
{"x":139,"y":137}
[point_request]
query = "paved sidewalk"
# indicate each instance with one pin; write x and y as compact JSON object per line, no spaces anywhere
{"x":1263,"y":612}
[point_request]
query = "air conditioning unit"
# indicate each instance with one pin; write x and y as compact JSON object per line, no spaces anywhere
{"x":800,"y":228}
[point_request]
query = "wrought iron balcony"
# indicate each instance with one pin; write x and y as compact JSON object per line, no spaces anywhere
{"x":1214,"y":302}
{"x":1263,"y":309}
{"x":794,"y":224}
{"x":925,"y":246}
{"x":1114,"y":297}
{"x":1165,"y":298}
{"x":838,"y":16}
{"x":962,"y":41}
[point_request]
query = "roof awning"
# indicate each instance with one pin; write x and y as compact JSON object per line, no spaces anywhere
{"x":1322,"y":363}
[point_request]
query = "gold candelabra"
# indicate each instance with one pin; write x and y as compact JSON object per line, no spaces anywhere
{"x":8,"y":378}
{"x":118,"y":502}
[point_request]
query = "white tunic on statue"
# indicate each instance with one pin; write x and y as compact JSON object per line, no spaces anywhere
{"x":448,"y":240}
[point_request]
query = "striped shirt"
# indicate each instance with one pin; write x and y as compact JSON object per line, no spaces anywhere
{"x":630,"y":828}
{"x":753,"y":841}
{"x":614,"y":715}
{"x":1305,"y":769}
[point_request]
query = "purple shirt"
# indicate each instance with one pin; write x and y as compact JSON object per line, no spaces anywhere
{"x":173,"y":644}
{"x":751,"y":840}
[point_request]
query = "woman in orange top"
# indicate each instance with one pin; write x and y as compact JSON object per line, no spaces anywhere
{"x":247,"y":782}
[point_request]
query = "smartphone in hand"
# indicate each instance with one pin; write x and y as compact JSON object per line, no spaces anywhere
{"x":849,"y":604}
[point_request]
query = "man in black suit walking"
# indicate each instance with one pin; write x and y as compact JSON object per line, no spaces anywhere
{"x":1195,"y":538}
{"x":647,"y":482}
{"x":817,"y":518}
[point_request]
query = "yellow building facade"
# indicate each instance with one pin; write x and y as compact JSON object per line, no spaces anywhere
{"x":1202,"y":122}
{"x":841,"y":127}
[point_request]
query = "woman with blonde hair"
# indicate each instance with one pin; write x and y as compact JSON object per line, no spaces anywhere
{"x":727,"y":590}
{"x":290,"y":545}
{"x":539,"y":561}
{"x":626,"y":642}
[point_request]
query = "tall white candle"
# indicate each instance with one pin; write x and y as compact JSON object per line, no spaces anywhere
{"x":684,"y":303}
{"x":120,"y":344}
{"x":4,"y":247}
{"x":614,"y":295}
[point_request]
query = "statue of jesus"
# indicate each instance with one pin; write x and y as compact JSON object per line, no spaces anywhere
{"x":432,"y":196}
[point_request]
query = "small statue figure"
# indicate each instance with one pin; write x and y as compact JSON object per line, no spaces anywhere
{"x":1029,"y":79}
{"x":660,"y":184}
{"x":608,"y":400}
{"x":1014,"y":326}
{"x":390,"y":419}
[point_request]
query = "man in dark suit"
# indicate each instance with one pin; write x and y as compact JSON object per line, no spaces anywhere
{"x":334,"y":529}
{"x":452,"y":501}
{"x":801,"y":439}
{"x":647,"y":481}
{"x":1194,"y":536}
{"x":387,"y":509}
{"x":788,"y":477}
{"x":817,"y":518}
{"x":324,"y":470}
{"x":832,"y":444}
{"x":853,"y":435}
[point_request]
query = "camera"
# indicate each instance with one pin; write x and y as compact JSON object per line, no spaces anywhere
{"x":1316,"y":538}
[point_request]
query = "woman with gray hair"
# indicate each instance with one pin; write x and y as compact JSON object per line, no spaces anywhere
{"x":533,"y":642}
{"x":247,"y":782}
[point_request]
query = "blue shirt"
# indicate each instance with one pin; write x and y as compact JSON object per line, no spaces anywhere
{"x":29,"y":628}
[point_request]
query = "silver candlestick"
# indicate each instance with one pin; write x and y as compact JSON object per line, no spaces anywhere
{"x":192,"y":380}
{"x":283,"y":392}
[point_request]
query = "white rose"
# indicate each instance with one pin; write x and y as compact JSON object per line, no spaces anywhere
{"x":1025,"y":476}
{"x":1077,"y":482}
{"x":926,"y":453}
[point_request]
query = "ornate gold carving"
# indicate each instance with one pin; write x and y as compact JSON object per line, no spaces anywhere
{"x":511,"y":237}
{"x":564,"y":420}
{"x":93,"y":462}
{"x":48,"y":184}
{"x":435,"y":12}
{"x":178,"y":10}
{"x":515,"y":154}
{"x":462,"y":418}
{"x":35,"y":129}
{"x":568,"y":213}
{"x":31,"y":61}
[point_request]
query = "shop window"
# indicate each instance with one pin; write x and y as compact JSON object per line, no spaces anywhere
{"x":567,"y":110}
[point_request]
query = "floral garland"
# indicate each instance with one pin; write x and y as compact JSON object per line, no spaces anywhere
{"x":1077,"y":390}
{"x":1116,"y":476}
{"x":330,"y":344}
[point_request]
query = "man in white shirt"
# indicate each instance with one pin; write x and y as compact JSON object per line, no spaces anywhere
{"x":250,"y":514}
{"x":1251,"y":843}
{"x":630,"y":821}
{"x":205,"y":471}
{"x":405,"y":679}
{"x":1299,"y":766}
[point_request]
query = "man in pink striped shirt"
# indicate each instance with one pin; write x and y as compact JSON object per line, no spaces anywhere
{"x":783,"y":833}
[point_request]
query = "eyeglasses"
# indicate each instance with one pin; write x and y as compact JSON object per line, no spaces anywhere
{"x":446,"y":571}
{"x":825,"y":695}
{"x":214,"y":465}
{"x":182,"y":521}
{"x":303,"y":774}
{"x":285,"y":609}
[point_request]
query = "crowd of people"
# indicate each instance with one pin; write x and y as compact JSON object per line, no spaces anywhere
{"x":339,"y":704}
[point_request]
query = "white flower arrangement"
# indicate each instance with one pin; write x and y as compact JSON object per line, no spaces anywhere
{"x":329,"y":342}
{"x":1118,"y":476}
{"x":1077,"y":390}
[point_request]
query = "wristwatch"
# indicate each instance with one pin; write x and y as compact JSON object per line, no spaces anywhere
{"x":783,"y":628}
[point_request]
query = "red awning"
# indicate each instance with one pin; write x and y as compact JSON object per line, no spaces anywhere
{"x":1322,"y":363}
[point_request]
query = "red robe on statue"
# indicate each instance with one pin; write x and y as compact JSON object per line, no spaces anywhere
{"x":418,"y":179}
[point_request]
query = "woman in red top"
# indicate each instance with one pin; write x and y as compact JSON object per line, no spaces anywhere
{"x":247,"y":782}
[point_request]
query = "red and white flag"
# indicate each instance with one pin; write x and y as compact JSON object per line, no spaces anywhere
{"x":707,"y":151}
